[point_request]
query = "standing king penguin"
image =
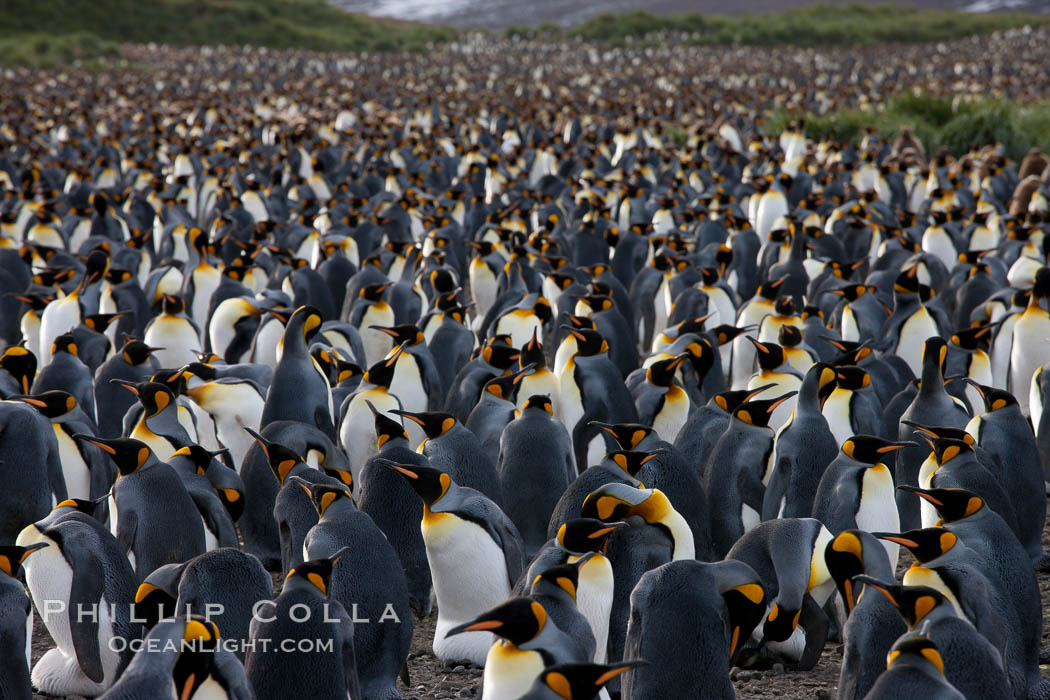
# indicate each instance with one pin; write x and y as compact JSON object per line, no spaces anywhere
{"x":475,"y":555}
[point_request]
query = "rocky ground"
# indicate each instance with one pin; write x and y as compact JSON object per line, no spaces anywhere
{"x":431,"y":678}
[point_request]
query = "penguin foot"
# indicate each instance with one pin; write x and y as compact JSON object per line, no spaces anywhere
{"x":1042,"y":563}
{"x":469,"y":647}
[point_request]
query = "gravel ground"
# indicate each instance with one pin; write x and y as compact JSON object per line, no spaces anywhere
{"x":432,"y":678}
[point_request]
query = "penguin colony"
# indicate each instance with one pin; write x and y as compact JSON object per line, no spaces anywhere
{"x":469,"y":335}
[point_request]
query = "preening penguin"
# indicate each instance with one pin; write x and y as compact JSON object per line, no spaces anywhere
{"x":614,"y":501}
{"x":788,"y":556}
{"x":192,"y":464}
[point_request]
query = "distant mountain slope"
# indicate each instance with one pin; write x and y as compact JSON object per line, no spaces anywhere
{"x":499,"y":14}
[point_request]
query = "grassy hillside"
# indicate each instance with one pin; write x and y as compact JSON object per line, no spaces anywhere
{"x":937,"y":122}
{"x":51,"y":32}
{"x":817,"y":25}
{"x":84,"y":28}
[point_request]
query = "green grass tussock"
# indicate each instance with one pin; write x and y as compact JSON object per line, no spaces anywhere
{"x":937,"y":122}
{"x":39,"y":50}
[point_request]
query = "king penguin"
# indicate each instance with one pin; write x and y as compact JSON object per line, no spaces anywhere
{"x":192,"y":464}
{"x":1003,"y":432}
{"x":803,"y":450}
{"x":134,"y":362}
{"x":971,"y":663}
{"x":371,"y":311}
{"x":856,"y":491}
{"x":575,"y":681}
{"x":299,"y":390}
{"x":660,"y":401}
{"x":327,"y":673}
{"x":591,"y":388}
{"x":395,"y":508}
{"x":453,"y":449}
{"x":16,"y":623}
{"x":931,"y":406}
{"x":87,"y":473}
{"x":66,"y":372}
{"x":292,"y":511}
{"x":367,"y":579}
{"x":535,"y":467}
{"x":64,"y":314}
{"x":914,"y":669}
{"x":737,"y":471}
{"x":32,"y":465}
{"x":1029,"y":349}
{"x":225,"y":583}
{"x":182,"y":658}
{"x":556,"y":589}
{"x":159,"y":425}
{"x":965,"y":578}
{"x":1002,"y":557}
{"x":688,"y":610}
{"x":82,"y":568}
{"x":529,"y":641}
{"x":788,"y":555}
{"x":475,"y":555}
{"x":357,"y":435}
{"x":871,"y":624}
{"x":149,"y":508}
{"x":173,"y":333}
{"x":576,"y":539}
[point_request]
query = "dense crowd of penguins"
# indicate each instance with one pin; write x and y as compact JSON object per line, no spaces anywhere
{"x":556,"y":340}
